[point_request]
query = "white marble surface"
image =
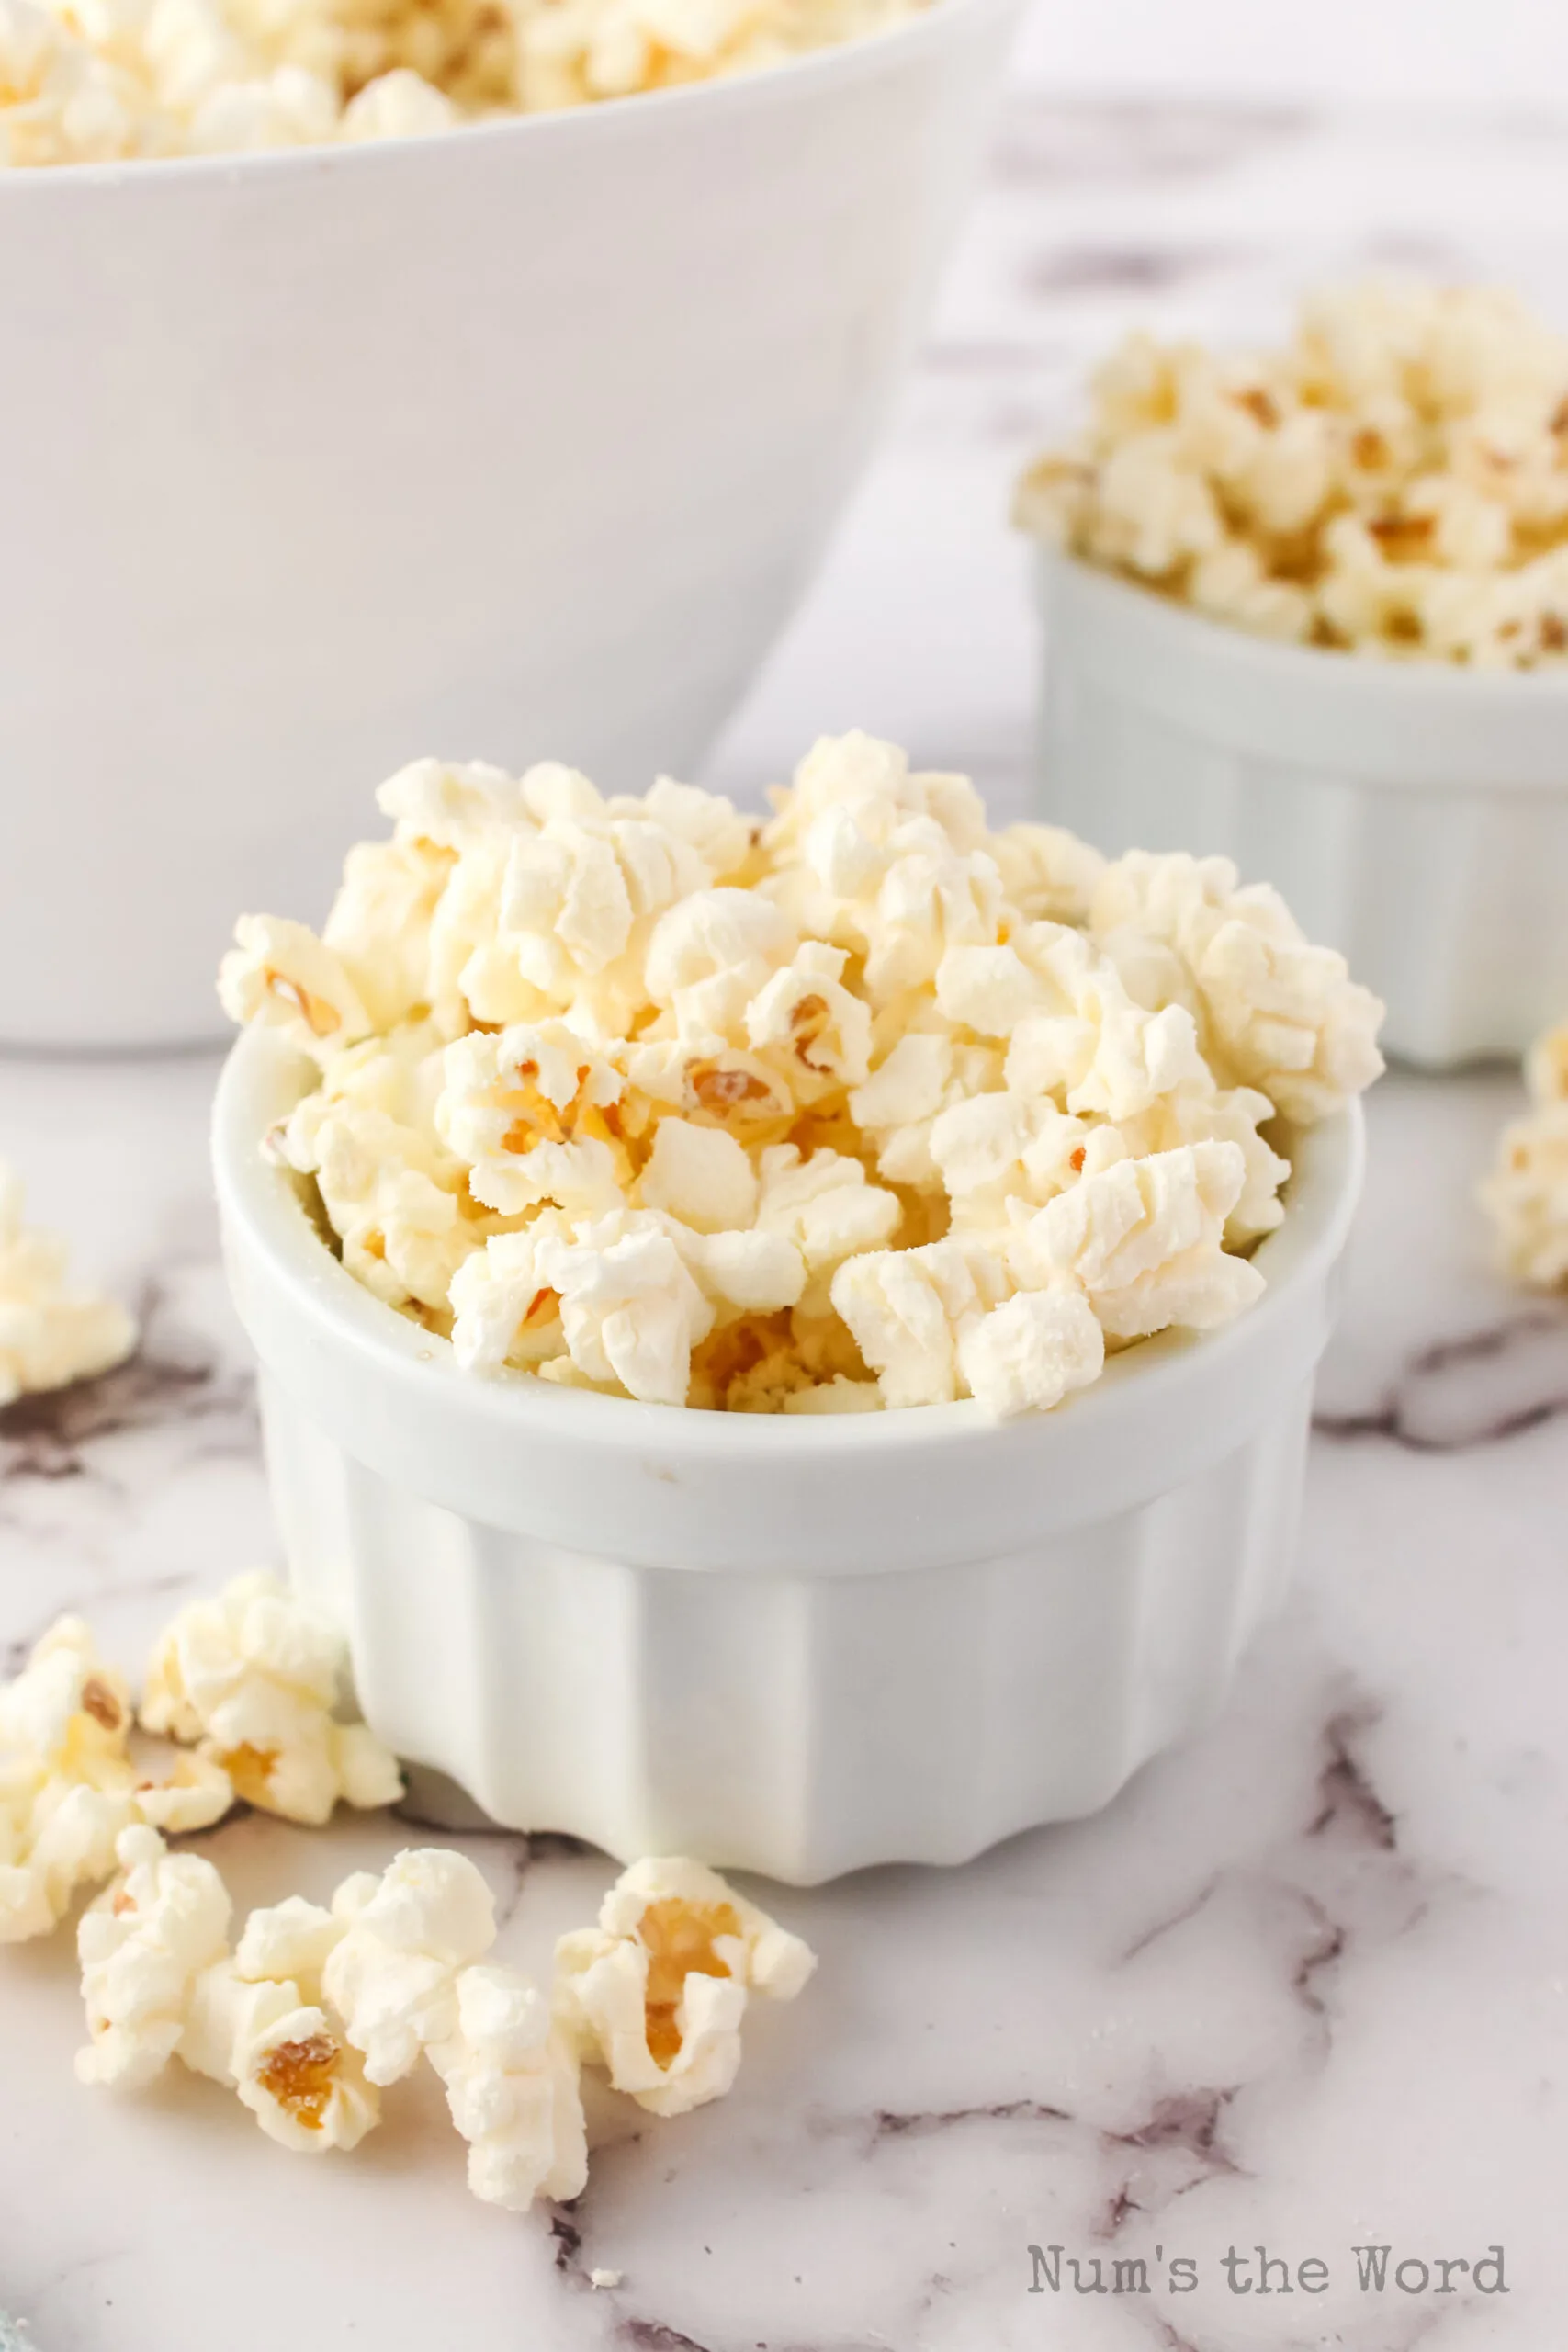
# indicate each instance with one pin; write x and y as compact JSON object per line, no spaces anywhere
{"x":1306,"y":1984}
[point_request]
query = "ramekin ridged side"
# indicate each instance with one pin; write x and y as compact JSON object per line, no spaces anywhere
{"x":1415,"y":816}
{"x":793,"y":1646}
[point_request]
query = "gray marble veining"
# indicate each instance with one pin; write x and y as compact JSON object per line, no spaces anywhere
{"x":1304,"y":1986}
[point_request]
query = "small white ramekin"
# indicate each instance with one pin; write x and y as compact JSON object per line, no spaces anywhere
{"x":1415,"y":816}
{"x":791,"y":1645}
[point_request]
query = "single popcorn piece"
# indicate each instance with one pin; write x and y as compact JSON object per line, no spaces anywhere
{"x":50,"y":1334}
{"x":525,"y":1113}
{"x":657,"y":1992}
{"x":1526,"y":1193}
{"x":660,"y":1104}
{"x":1283,"y":1016}
{"x":253,"y":1678}
{"x":1144,"y":1237}
{"x":1393,"y":481}
{"x":1027,"y":1354}
{"x":56,"y":1836}
{"x":67,"y":1711}
{"x":912,"y":1310}
{"x":257,"y":2022}
{"x":408,"y":1936}
{"x":142,"y":1946}
{"x":281,"y":975}
{"x":512,"y":2085}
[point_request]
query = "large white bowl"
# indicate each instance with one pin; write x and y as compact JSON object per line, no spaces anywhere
{"x":524,"y":438}
{"x":1415,"y":816}
{"x":794,"y":1645}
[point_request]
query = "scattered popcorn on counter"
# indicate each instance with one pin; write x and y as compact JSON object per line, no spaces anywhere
{"x":142,"y":1945}
{"x":50,"y":1334}
{"x":657,"y":1992}
{"x":69,"y":1787}
{"x":159,"y":1982}
{"x":197,"y":77}
{"x":1526,"y":1195}
{"x":260,"y":2025}
{"x":1394,"y":482}
{"x":512,"y":2086}
{"x":252,"y":1678}
{"x":407,"y":1938}
{"x":864,"y":1106}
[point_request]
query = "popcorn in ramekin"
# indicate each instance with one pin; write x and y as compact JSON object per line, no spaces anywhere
{"x":50,"y":1334}
{"x":252,"y":1678}
{"x":657,"y":1992}
{"x":865,"y":1106}
{"x":1526,"y":1195}
{"x":122,"y":79}
{"x":1393,"y":482}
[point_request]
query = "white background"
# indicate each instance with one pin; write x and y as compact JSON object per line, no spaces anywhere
{"x":1467,"y":51}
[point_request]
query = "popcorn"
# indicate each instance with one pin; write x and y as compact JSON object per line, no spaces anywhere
{"x":911,"y":1311}
{"x":50,"y":1334}
{"x":1526,"y":1194}
{"x":660,"y":1106}
{"x":1394,"y":482}
{"x":69,"y":1787}
{"x":512,"y":2086}
{"x":1146,"y":1239}
{"x":407,"y":1937}
{"x":88,"y":83}
{"x":254,"y":1676}
{"x":702,"y":1176}
{"x":1280,"y":1015}
{"x":56,"y":1836}
{"x":142,"y":1945}
{"x":657,"y":1992}
{"x":256,"y":2022}
{"x":1026,"y":1355}
{"x":525,"y":1113}
{"x":573,"y":52}
{"x":280,"y":974}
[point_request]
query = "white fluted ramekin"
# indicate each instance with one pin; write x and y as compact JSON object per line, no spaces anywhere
{"x":794,"y":1646}
{"x":1415,"y":816}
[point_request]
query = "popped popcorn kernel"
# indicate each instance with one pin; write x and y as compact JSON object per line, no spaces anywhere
{"x":407,"y":1937}
{"x":1393,"y":481}
{"x":252,"y":1678}
{"x":51,"y":1334}
{"x":511,"y":2075}
{"x":142,"y":1946}
{"x":70,"y":1788}
{"x":657,"y":1104}
{"x":658,"y":1991}
{"x":1525,"y":1194}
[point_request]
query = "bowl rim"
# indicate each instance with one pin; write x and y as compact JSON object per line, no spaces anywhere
{"x":1329,"y":666}
{"x":735,"y":95}
{"x":260,"y":1212}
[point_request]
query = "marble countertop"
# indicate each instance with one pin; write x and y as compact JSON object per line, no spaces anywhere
{"x":1305,"y":1986}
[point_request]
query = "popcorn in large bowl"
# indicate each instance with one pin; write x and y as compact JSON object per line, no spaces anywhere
{"x":117,"y":83}
{"x":809,"y":1117}
{"x":534,"y":430}
{"x":1308,"y":608}
{"x":584,"y":1110}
